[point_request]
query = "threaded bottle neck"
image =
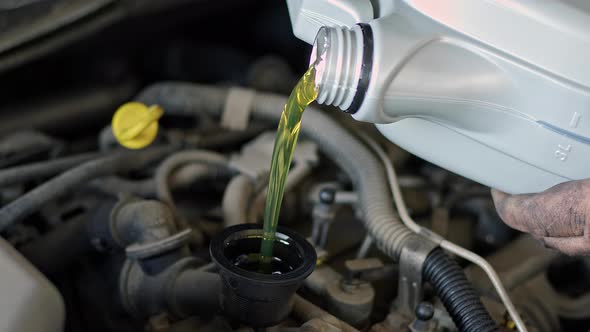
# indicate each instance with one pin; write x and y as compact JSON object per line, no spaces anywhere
{"x":338,"y":56}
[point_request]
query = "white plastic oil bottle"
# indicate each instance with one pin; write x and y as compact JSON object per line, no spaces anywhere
{"x":495,"y":90}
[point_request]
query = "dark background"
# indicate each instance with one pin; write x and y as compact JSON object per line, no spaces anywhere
{"x":92,"y":64}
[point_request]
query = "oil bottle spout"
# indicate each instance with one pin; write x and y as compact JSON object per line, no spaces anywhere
{"x":308,"y":16}
{"x":343,"y":60}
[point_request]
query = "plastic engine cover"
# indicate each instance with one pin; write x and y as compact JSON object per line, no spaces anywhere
{"x":28,"y":301}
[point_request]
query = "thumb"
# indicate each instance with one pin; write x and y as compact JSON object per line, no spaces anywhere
{"x":560,"y":211}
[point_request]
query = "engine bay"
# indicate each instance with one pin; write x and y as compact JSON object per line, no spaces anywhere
{"x":97,"y":237}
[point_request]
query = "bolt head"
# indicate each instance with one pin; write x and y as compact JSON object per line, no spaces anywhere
{"x":424,"y":311}
{"x":327,"y":195}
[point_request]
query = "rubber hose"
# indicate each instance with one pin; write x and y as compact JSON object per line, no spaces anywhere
{"x":38,"y":170}
{"x":230,"y":138}
{"x":236,"y":200}
{"x":456,"y":293}
{"x":146,"y":188}
{"x":30,"y":202}
{"x":364,"y":169}
{"x":174,"y":162}
{"x":182,"y":158}
{"x":186,"y":99}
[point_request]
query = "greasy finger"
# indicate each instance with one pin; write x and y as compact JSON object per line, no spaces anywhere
{"x":560,"y":211}
{"x":574,"y":246}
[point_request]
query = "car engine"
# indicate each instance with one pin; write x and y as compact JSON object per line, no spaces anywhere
{"x":98,"y":237}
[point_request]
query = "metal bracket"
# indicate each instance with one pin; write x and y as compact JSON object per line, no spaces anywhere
{"x":322,"y":215}
{"x":411,"y":262}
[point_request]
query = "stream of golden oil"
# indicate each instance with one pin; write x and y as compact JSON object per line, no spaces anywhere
{"x":304,"y":93}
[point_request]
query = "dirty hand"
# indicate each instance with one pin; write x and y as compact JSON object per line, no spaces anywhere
{"x":557,"y":216}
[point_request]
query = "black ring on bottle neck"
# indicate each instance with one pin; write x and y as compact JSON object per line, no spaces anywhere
{"x":366,"y":69}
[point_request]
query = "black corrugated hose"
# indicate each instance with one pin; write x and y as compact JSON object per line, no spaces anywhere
{"x":456,"y":293}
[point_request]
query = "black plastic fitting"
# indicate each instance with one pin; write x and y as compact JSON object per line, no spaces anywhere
{"x":255,"y":298}
{"x":456,"y":293}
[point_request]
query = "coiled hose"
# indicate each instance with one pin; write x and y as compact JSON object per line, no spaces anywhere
{"x":367,"y":175}
{"x":456,"y":293}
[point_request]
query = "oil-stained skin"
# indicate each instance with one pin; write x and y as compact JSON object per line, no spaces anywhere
{"x":557,"y":216}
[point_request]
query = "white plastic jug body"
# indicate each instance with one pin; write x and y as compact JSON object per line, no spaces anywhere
{"x":496,"y":91}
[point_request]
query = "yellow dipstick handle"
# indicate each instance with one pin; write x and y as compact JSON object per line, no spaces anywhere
{"x":135,"y":125}
{"x":153,"y":114}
